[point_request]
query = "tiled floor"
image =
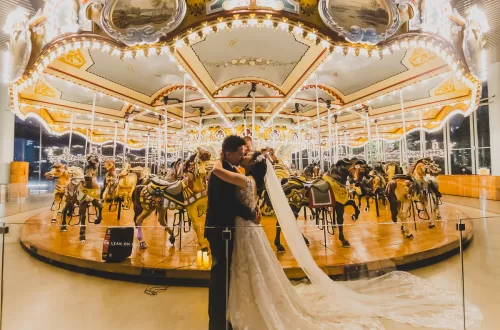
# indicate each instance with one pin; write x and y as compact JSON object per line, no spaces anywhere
{"x":40,"y":296}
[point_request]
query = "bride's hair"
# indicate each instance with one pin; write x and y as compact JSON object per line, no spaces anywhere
{"x":258,"y":170}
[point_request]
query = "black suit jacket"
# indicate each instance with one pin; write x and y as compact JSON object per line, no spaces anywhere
{"x":223,"y":206}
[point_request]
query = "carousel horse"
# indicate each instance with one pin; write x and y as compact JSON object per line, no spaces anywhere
{"x":311,"y":171}
{"x":378,"y":182}
{"x":127,"y":180}
{"x":59,"y":172}
{"x":358,"y":172}
{"x":189,"y":194}
{"x":391,"y":169}
{"x":426,"y":189}
{"x":336,"y":177}
{"x":366,"y":182}
{"x":404,"y":189}
{"x":89,"y":193}
{"x":110,"y":179}
{"x":71,"y":195}
{"x":120,"y":187}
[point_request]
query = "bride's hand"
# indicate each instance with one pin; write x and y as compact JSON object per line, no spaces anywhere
{"x":258,"y":217}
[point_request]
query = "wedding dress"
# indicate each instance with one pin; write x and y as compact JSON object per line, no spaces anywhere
{"x":261,"y":296}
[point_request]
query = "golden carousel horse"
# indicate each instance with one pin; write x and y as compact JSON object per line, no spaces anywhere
{"x":110,"y":179}
{"x":60,"y":172}
{"x":190,"y":194}
{"x":424,"y":172}
{"x":89,"y":193}
{"x":119,"y":188}
{"x":404,"y":189}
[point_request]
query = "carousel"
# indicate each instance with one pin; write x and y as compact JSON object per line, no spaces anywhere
{"x":324,"y":86}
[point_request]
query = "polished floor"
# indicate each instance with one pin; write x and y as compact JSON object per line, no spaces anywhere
{"x":40,"y":296}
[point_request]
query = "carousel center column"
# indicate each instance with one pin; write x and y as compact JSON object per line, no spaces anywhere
{"x":494,"y":113}
{"x":7,"y":121}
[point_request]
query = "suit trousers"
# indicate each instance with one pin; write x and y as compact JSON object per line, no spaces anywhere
{"x":217,"y":294}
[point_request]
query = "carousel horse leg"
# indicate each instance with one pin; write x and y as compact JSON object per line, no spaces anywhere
{"x":198,"y":225}
{"x":98,"y":205}
{"x":161,"y":218}
{"x":339,"y":210}
{"x":367,"y":207}
{"x":403,"y":217}
{"x":57,"y":206}
{"x":83,"y":216}
{"x":277,"y":238}
{"x":376,"y":204}
{"x":145,"y":213}
{"x":351,"y":202}
{"x":65,"y":213}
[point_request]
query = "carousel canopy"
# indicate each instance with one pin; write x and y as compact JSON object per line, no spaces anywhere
{"x":345,"y":70}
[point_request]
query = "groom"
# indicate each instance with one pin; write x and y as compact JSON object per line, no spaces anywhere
{"x":223,"y":208}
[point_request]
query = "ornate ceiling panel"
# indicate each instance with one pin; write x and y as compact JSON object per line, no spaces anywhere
{"x":247,"y":53}
{"x":145,"y":75}
{"x":77,"y":94}
{"x":350,"y":74}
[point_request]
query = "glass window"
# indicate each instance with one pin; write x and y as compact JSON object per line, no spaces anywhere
{"x":484,"y":159}
{"x":358,"y":152}
{"x":434,"y":148}
{"x":461,"y":161}
{"x":483,"y":127}
{"x":459,"y":132}
{"x":413,"y":143}
{"x":392,"y":153}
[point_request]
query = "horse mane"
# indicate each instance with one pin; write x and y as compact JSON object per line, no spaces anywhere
{"x":189,"y":161}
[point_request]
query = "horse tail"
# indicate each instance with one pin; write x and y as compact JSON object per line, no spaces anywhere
{"x":390,"y":192}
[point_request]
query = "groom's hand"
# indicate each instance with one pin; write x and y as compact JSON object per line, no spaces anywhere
{"x":258,"y":216}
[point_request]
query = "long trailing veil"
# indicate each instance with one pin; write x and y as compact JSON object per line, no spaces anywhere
{"x":398,"y":296}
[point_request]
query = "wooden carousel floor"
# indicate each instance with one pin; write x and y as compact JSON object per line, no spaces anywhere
{"x":376,"y":245}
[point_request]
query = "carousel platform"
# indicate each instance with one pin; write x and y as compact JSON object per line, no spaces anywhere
{"x":377,"y":246}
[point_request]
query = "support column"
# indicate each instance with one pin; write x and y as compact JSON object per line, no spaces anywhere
{"x":494,"y":112}
{"x":7,"y":122}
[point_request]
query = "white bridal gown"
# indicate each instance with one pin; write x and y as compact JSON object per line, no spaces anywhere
{"x":262,"y":297}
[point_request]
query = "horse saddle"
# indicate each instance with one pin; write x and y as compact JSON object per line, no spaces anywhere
{"x":320,"y":194}
{"x":306,"y":184}
{"x":173,"y":188}
{"x":403,"y":176}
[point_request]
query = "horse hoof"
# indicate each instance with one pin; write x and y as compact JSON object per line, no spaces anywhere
{"x":63,"y":228}
{"x":280,"y":249}
{"x":172,"y":239}
{"x":143,"y":245}
{"x":432,"y":226}
{"x":53,"y":220}
{"x":409,"y":236}
{"x":402,"y":229}
{"x":345,"y":243}
{"x":82,"y":239}
{"x":367,"y":209}
{"x":97,"y":221}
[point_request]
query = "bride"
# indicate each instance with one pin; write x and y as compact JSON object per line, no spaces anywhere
{"x":262,"y":297}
